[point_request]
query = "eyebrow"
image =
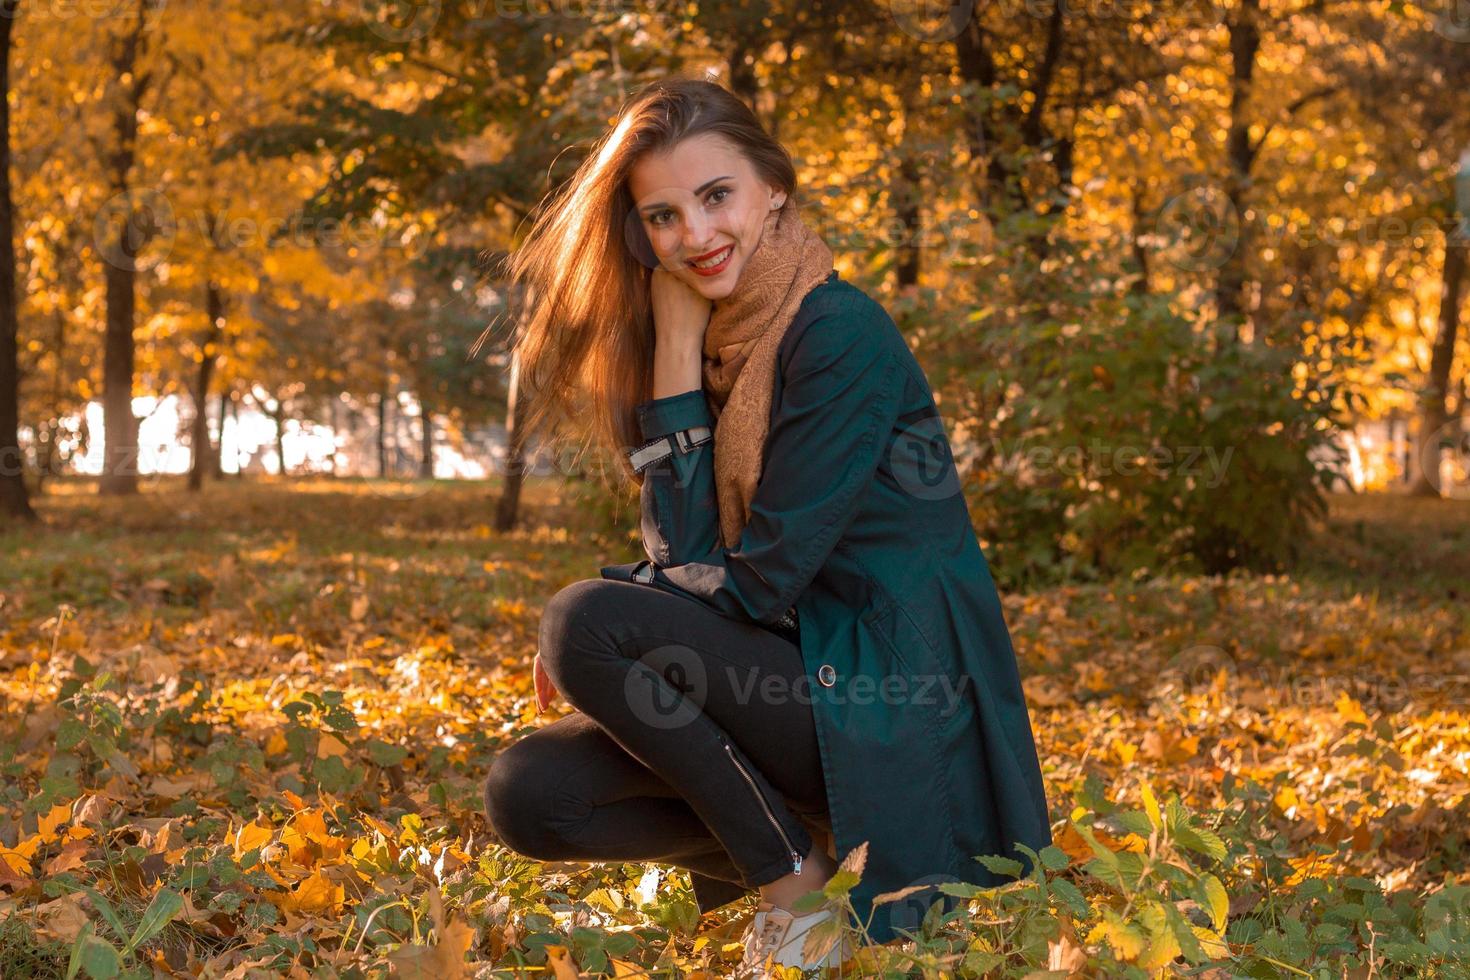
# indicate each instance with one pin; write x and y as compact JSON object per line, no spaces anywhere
{"x":697,"y":191}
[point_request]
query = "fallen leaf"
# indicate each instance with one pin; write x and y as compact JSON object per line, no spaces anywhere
{"x":72,"y":855}
{"x":562,"y":964}
{"x":64,"y":917}
{"x":49,"y":822}
{"x":315,"y":893}
{"x":444,"y":959}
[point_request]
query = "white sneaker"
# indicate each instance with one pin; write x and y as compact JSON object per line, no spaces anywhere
{"x":776,"y":936}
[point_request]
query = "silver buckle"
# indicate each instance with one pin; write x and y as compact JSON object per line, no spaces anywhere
{"x":687,"y":439}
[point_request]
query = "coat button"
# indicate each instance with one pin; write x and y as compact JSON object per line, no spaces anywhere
{"x":827,"y":675}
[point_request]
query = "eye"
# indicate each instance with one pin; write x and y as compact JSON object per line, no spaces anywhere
{"x":653,"y":219}
{"x":723,"y":190}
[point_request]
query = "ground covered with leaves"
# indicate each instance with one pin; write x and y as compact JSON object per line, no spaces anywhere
{"x":244,"y":734}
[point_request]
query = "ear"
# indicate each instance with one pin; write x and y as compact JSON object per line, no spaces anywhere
{"x":778,"y":198}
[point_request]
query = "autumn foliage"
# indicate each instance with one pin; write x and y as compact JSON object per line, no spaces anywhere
{"x":258,"y":752}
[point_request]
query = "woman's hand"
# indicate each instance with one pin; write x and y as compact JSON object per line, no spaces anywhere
{"x":545,"y":690}
{"x":680,"y":312}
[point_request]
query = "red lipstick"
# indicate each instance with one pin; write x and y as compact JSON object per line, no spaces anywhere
{"x":715,"y":269}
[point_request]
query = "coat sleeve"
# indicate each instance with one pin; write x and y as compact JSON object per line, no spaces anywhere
{"x":679,"y":514}
{"x":839,"y":404}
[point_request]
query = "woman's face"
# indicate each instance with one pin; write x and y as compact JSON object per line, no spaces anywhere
{"x":702,"y":200}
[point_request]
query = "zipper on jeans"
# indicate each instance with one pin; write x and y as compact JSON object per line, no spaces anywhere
{"x":795,"y":854}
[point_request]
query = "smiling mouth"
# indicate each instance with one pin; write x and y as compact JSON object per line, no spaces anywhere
{"x":713,"y":259}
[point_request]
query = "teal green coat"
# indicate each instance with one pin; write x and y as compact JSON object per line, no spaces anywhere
{"x":859,"y":524}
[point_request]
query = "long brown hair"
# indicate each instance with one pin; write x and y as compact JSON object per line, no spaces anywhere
{"x":586,"y":343}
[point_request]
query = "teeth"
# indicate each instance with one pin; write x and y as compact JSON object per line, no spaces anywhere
{"x":711,"y":263}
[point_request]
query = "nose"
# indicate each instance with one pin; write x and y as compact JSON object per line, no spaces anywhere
{"x":697,"y":231}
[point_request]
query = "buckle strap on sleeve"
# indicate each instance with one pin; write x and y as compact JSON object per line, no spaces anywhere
{"x":664,"y":446}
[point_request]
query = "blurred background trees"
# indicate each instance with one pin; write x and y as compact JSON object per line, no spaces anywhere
{"x":1176,"y":270}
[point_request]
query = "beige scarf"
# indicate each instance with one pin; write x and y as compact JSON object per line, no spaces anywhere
{"x":740,"y":343}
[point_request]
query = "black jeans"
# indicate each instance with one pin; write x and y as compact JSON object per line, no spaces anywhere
{"x":694,"y":745}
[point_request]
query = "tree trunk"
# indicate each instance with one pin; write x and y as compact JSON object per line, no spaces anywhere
{"x":508,"y":508}
{"x":46,"y":455}
{"x":426,"y":441}
{"x":1240,"y":154}
{"x":1434,"y":402}
{"x":201,"y":449}
{"x":1139,"y":286}
{"x":235,"y":417}
{"x":14,"y":501}
{"x":119,"y":255}
{"x":217,"y":459}
{"x":119,"y":426}
{"x":278,"y":416}
{"x":383,"y":433}
{"x":990,"y":174}
{"x":908,"y":209}
{"x":332,"y":424}
{"x":742,"y":76}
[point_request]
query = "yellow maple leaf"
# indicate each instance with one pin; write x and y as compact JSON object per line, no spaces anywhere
{"x":18,"y":863}
{"x":309,"y":828}
{"x":315,"y":893}
{"x":49,"y":823}
{"x":309,"y":824}
{"x":249,"y":837}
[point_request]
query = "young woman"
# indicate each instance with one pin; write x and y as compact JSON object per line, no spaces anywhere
{"x":812,"y":658}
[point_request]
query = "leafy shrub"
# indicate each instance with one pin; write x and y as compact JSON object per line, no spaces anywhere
{"x":1100,"y":433}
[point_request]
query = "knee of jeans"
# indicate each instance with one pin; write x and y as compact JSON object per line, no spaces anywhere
{"x":520,"y":802}
{"x":567,"y":632}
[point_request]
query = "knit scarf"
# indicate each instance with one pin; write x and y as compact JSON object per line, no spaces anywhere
{"x":739,"y":362}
